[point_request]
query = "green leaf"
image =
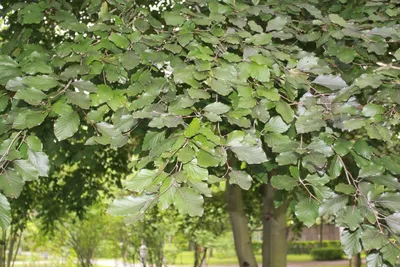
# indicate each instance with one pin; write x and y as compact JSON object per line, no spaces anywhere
{"x":332,"y":205}
{"x":79,"y":98}
{"x":250,"y":154}
{"x":141,"y":180}
{"x":373,"y":239}
{"x":346,"y":55}
{"x":186,"y":154}
{"x":276,"y":24}
{"x":342,"y":147}
{"x":307,"y":211}
{"x":5,"y":215}
{"x":351,"y":244}
{"x":345,"y":188}
{"x":152,"y":139}
{"x":334,"y":18}
{"x":11,"y":183}
{"x":167,"y":193}
{"x":37,"y":67}
{"x":42,"y":82}
{"x":287,"y":158}
{"x":390,"y":253}
{"x":362,"y":148}
{"x":374,"y":259}
{"x":26,"y":170}
{"x":200,"y":187}
{"x":335,"y":167}
{"x":193,"y":171}
{"x":259,"y":72}
{"x":220,"y":88}
{"x":390,"y":201}
{"x":66,"y":126}
{"x":330,"y":81}
{"x":30,"y":95}
{"x":129,"y":205}
{"x":40,"y":161}
{"x":174,"y":18}
{"x":285,"y":111}
{"x":119,"y":40}
{"x":315,"y":179}
{"x":371,"y":110}
{"x":276,"y":125}
{"x":187,"y":201}
{"x":366,"y":80}
{"x":206,"y":159}
{"x":241,"y":178}
{"x":393,"y":221}
{"x":83,"y":86}
{"x":193,"y":128}
{"x":284,"y":182}
{"x":34,"y":143}
{"x":350,"y":217}
{"x":217,"y":108}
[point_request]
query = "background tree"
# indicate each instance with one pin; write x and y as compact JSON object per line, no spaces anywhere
{"x":296,"y":92}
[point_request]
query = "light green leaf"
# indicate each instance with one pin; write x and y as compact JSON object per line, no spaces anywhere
{"x":351,"y":244}
{"x":285,"y":111}
{"x":129,"y":205}
{"x":374,"y":259}
{"x":276,"y":125}
{"x":390,"y":201}
{"x":11,"y":183}
{"x":30,"y":95}
{"x":373,"y":239}
{"x":393,"y":221}
{"x":330,"y":81}
{"x":276,"y":24}
{"x":66,"y":126}
{"x":174,"y":18}
{"x":34,"y":143}
{"x":366,"y":80}
{"x":335,"y":167}
{"x":26,"y":170}
{"x":220,"y":88}
{"x":217,"y":108}
{"x":332,"y":205}
{"x":40,"y":160}
{"x":42,"y":82}
{"x":206,"y":159}
{"x":285,"y":182}
{"x":193,"y":128}
{"x":83,"y":86}
{"x":346,"y":54}
{"x":5,"y":215}
{"x":187,"y":201}
{"x":152,"y":139}
{"x":200,"y":187}
{"x":371,"y":110}
{"x":315,"y":179}
{"x":259,"y":72}
{"x":119,"y":40}
{"x":250,"y":154}
{"x":334,"y":18}
{"x":79,"y":98}
{"x":390,"y":253}
{"x":241,"y":178}
{"x":186,"y":154}
{"x":287,"y":158}
{"x":193,"y":171}
{"x":167,"y":191}
{"x":307,"y":211}
{"x":141,"y":180}
{"x":362,"y":148}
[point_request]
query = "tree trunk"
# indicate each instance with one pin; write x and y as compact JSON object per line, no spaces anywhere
{"x":240,"y":229}
{"x":355,"y":261}
{"x":274,"y":245}
{"x":321,"y":232}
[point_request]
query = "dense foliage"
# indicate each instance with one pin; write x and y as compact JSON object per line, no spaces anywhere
{"x":304,"y":91}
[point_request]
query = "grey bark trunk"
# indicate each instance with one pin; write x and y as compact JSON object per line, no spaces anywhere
{"x":275,"y":231}
{"x":240,"y":229}
{"x":355,"y":261}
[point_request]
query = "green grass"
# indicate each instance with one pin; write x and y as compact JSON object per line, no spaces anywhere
{"x":228,"y":258}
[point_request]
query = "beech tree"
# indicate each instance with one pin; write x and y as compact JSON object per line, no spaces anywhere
{"x":299,"y":95}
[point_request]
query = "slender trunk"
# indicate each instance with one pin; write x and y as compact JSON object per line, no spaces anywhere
{"x":3,"y":249}
{"x":13,"y":237}
{"x":355,"y":261}
{"x":274,"y":245}
{"x":196,"y":255}
{"x":321,"y":232}
{"x":203,"y":258}
{"x":240,"y":229}
{"x":16,"y":251}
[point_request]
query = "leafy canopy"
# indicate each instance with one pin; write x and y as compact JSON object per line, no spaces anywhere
{"x":304,"y":90}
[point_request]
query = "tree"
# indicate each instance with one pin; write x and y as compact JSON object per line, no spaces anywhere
{"x":304,"y":94}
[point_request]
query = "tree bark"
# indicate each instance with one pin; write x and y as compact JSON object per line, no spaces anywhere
{"x":275,"y":231}
{"x":355,"y":261}
{"x":240,"y":229}
{"x":321,"y":232}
